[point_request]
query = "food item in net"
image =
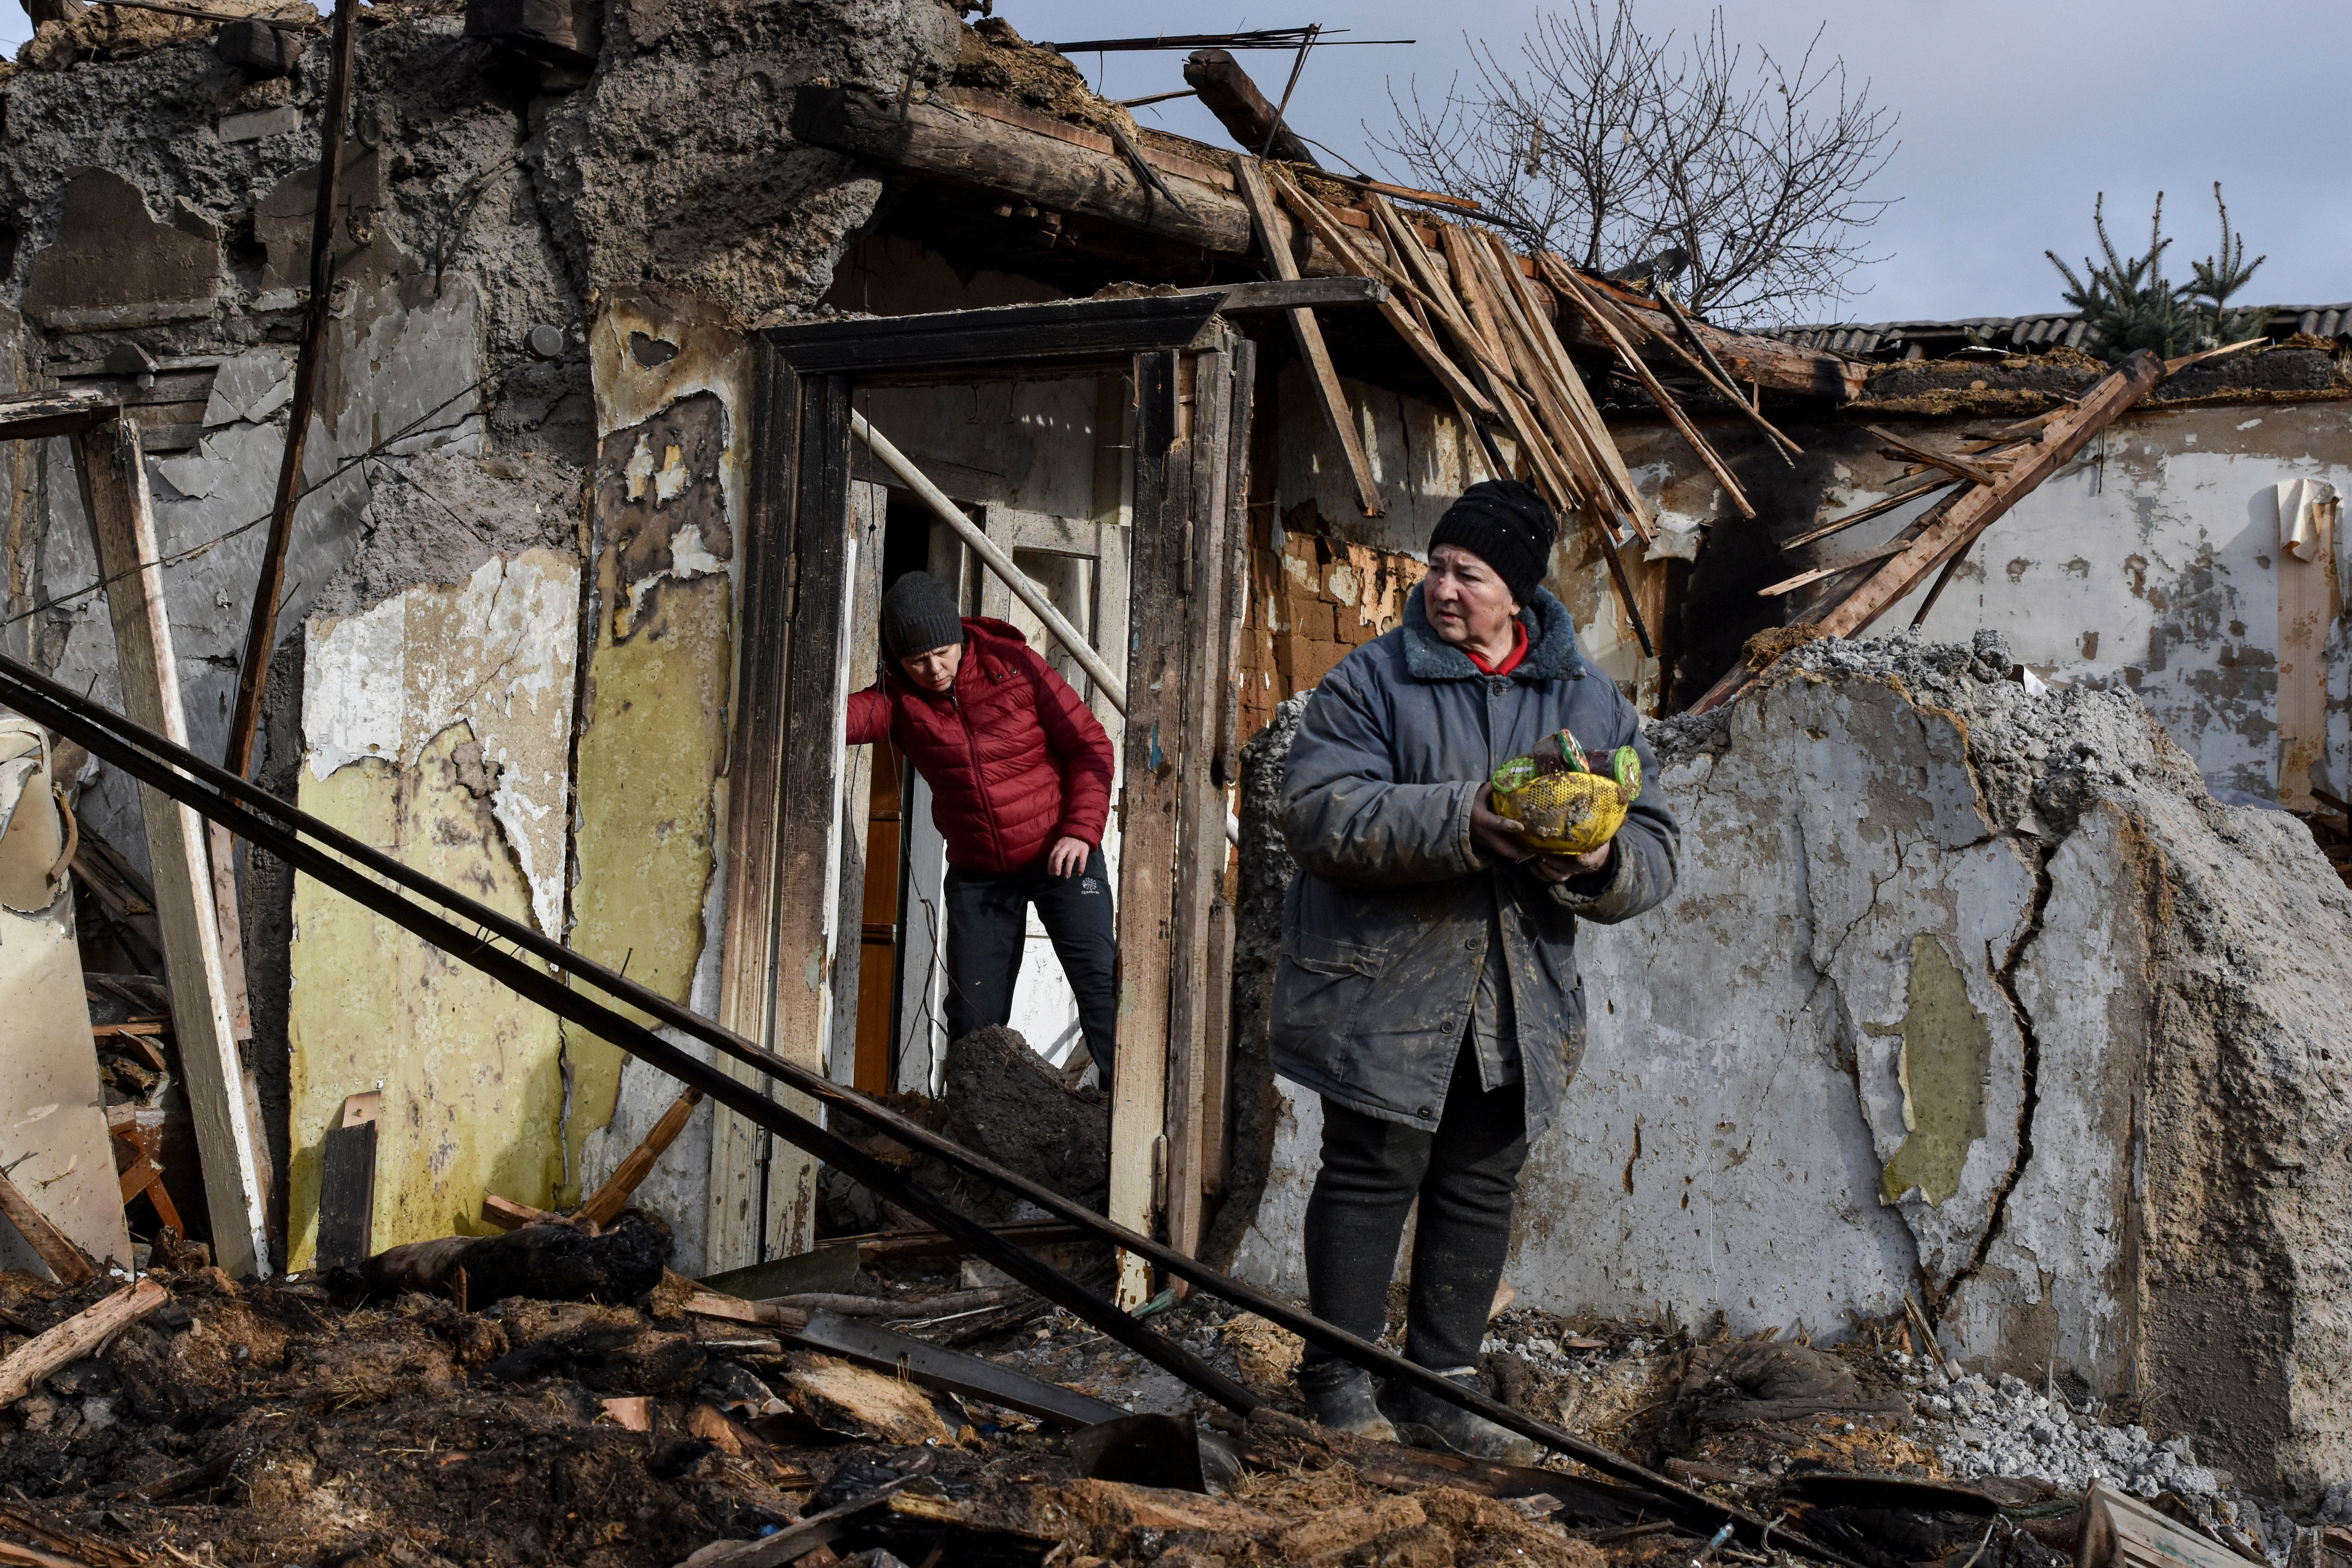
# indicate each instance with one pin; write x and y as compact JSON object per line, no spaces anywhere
{"x":1570,"y":801}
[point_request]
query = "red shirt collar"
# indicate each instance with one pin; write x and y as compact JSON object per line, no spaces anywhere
{"x":1510,"y":661}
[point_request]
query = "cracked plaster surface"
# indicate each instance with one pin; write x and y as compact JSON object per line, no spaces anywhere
{"x":496,"y":653}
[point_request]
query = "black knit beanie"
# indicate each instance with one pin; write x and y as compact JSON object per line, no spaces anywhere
{"x":1506,"y":524}
{"x":918,"y":615}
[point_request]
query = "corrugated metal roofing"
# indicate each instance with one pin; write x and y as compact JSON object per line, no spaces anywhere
{"x":1896,"y":340}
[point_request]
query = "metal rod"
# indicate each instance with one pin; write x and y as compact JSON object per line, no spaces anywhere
{"x":215,"y":793}
{"x":261,"y":632}
{"x":536,"y":983}
{"x":993,"y":555}
{"x":1305,"y":44}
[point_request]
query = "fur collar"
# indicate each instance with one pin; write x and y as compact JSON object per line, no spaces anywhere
{"x":1551,"y":645}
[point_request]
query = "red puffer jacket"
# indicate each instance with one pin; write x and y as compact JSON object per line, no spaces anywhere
{"x":1015,"y":759}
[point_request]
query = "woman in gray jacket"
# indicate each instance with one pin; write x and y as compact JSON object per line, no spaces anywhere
{"x":1428,"y":989}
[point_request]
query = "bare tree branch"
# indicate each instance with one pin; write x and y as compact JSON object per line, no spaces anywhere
{"x":1606,"y":144}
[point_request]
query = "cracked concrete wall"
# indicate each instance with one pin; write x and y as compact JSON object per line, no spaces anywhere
{"x":1976,"y":995}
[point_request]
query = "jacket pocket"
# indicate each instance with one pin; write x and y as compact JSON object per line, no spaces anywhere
{"x":1322,"y":985}
{"x":1328,"y":955}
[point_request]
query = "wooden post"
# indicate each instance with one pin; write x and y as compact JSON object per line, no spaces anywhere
{"x":1218,"y":401}
{"x":1147,"y":802}
{"x":114,"y":497}
{"x":2309,"y":600}
{"x":754,"y":803}
{"x":808,"y":839}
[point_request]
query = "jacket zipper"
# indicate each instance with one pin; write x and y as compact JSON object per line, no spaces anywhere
{"x":979,"y":793}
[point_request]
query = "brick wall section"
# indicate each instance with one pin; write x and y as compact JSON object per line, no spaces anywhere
{"x":1309,"y":606}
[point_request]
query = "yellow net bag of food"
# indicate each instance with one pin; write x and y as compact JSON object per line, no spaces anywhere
{"x":1569,"y":801}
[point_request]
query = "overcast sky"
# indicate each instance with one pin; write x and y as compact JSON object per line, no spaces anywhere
{"x":2015,"y":113}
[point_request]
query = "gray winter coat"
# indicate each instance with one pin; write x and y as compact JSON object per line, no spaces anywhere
{"x":1386,"y":927}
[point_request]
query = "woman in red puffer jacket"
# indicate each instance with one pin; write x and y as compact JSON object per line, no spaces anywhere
{"x":1020,"y":773}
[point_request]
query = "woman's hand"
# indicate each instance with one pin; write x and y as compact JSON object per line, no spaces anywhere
{"x":1068,"y":856}
{"x":1560,"y":868}
{"x":1498,"y":836}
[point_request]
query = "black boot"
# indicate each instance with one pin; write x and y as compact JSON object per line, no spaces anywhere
{"x":1426,"y":1421}
{"x":1339,"y":1395}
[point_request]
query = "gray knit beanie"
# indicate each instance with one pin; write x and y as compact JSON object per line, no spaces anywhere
{"x":918,"y":615}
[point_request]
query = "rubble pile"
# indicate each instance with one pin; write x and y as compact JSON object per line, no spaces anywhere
{"x":2001,"y":1426}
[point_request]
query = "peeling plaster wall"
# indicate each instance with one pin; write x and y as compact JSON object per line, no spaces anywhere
{"x":1972,"y":994}
{"x":673,"y":401}
{"x":437,"y":727}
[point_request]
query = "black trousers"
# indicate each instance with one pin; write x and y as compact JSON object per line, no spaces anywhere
{"x":987,"y":919}
{"x":1465,"y":1174}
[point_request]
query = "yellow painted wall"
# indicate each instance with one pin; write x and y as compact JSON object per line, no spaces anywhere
{"x":647,"y":756}
{"x":471,"y":1085}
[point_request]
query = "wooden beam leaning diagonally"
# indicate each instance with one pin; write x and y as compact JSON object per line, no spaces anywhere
{"x":1221,"y":392}
{"x":114,"y":479}
{"x":754,"y":799}
{"x":808,"y":837}
{"x":1249,"y":177}
{"x":1977,"y":511}
{"x":1147,"y":802}
{"x":1352,"y":256}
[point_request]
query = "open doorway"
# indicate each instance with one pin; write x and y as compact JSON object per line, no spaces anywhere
{"x":1081,"y":565}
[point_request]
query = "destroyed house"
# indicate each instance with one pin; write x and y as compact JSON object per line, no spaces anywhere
{"x":650,"y":343}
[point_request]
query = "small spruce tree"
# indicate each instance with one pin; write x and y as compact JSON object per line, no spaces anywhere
{"x":2127,"y":304}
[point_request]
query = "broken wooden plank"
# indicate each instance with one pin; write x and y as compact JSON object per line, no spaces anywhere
{"x":78,"y":1336}
{"x":1295,"y":294}
{"x":52,"y":1244}
{"x":1978,"y":509}
{"x":1227,"y":92}
{"x":1958,"y":468}
{"x":1790,"y":584}
{"x":950,"y":1371}
{"x":607,"y":1200}
{"x":120,"y":893}
{"x":1534,"y":323}
{"x":1565,"y":283}
{"x":1767,"y":362}
{"x":1399,"y":315}
{"x":114,"y":479}
{"x":269,"y":586}
{"x":347,"y":1183}
{"x":505,"y":1214}
{"x":796,"y":1540}
{"x":1250,"y":177}
{"x":1875,"y":509}
{"x":29,"y":415}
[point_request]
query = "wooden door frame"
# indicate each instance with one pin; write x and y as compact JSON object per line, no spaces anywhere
{"x":779,"y":905}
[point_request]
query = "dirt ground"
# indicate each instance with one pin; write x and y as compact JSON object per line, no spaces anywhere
{"x":265,"y":1424}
